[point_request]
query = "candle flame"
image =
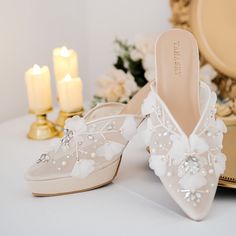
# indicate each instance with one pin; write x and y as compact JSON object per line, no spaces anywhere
{"x":36,"y":69}
{"x":67,"y":77}
{"x":64,"y":51}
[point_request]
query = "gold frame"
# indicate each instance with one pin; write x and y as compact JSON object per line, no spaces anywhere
{"x":226,"y":85}
{"x":227,"y":89}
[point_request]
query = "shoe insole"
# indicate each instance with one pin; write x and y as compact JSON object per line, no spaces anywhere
{"x":177,"y":65}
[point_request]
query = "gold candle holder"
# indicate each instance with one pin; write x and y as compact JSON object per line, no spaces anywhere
{"x":63,"y":116}
{"x":42,"y":128}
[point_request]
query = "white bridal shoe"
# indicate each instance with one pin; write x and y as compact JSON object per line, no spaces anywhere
{"x":185,"y":140}
{"x":89,"y":154}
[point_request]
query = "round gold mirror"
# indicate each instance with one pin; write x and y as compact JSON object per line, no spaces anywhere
{"x":213,"y":22}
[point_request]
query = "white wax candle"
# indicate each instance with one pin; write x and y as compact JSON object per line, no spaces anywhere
{"x":65,"y":62}
{"x":70,"y":94}
{"x":38,"y":89}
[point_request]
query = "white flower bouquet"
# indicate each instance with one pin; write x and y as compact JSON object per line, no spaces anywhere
{"x":134,"y":67}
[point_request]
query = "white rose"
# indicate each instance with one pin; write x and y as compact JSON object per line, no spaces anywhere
{"x":116,"y":85}
{"x":207,"y":74}
{"x":135,"y":55}
{"x":130,"y":87}
{"x":145,"y":44}
{"x":149,"y":62}
{"x":149,"y":75}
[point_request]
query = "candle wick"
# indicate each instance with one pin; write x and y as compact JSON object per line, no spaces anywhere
{"x":36,"y":70}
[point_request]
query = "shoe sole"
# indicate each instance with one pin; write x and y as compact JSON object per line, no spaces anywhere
{"x":63,"y":186}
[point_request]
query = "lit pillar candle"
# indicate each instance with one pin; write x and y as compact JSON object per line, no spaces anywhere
{"x":65,"y":62}
{"x":70,"y":94}
{"x":38,"y":89}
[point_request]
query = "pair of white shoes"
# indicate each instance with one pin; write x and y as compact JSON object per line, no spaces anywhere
{"x":184,"y":138}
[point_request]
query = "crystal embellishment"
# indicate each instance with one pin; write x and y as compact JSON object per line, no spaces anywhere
{"x":192,"y":196}
{"x":190,"y":165}
{"x":90,"y":137}
{"x":43,"y":158}
{"x":110,"y":127}
{"x":68,"y":135}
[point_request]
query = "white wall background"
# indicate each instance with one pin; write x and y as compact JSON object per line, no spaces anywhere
{"x":30,"y":29}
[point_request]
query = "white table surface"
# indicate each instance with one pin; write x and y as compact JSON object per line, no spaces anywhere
{"x":135,"y":204}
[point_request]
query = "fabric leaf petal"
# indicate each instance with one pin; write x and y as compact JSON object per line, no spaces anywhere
{"x":198,"y":144}
{"x":129,"y":128}
{"x":158,"y":164}
{"x":192,"y":182}
{"x":219,"y":163}
{"x":178,"y":149}
{"x":76,"y":124}
{"x":109,"y":150}
{"x":83,"y":168}
{"x":149,"y":103}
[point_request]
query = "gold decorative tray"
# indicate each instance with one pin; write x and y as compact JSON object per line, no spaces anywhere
{"x":229,"y":178}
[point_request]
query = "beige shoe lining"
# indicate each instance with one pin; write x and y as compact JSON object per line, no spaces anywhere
{"x":177,"y":64}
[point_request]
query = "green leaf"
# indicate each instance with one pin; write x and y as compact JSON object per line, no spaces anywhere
{"x":96,"y":100}
{"x":120,"y":64}
{"x":137,"y":70}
